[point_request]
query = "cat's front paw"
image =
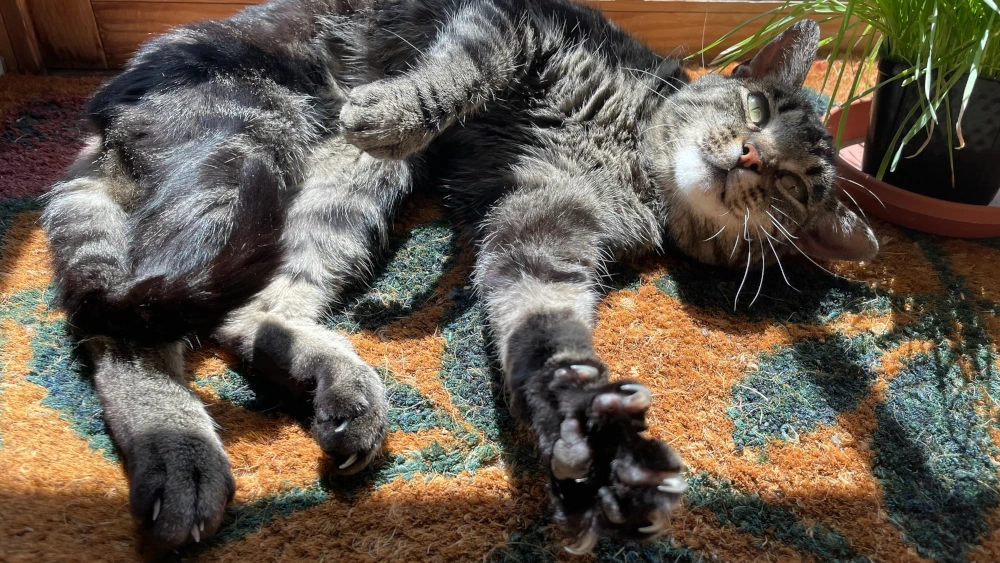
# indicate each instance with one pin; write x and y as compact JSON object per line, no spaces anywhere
{"x":179,"y":486}
{"x":388,"y":119}
{"x":351,"y":418}
{"x":608,"y":479}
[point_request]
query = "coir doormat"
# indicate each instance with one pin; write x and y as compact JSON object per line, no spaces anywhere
{"x":851,"y":418}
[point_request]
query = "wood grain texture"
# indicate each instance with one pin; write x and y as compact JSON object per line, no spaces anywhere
{"x":126,"y":25}
{"x":669,"y":26}
{"x":21,"y":34}
{"x":67,"y":34}
{"x":742,"y":6}
{"x":6,"y":50}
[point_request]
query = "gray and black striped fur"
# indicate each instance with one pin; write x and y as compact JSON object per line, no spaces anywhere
{"x":244,"y":171}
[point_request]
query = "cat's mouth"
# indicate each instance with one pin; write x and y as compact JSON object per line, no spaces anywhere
{"x":734,"y":184}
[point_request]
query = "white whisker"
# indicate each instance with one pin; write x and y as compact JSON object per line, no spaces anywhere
{"x":403,"y":39}
{"x":848,"y":194}
{"x":778,"y":260}
{"x":865,"y":188}
{"x":737,"y":243}
{"x":646,"y":86}
{"x":746,"y":272}
{"x":762,"y":267}
{"x":716,"y":234}
{"x":810,"y":258}
{"x":660,"y":78}
{"x":779,"y":225}
{"x":778,"y":209}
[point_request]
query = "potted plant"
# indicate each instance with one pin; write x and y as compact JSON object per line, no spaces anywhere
{"x":934,"y":126}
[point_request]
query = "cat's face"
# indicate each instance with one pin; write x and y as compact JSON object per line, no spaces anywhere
{"x":746,"y":166}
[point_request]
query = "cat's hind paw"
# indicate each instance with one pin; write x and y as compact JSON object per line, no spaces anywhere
{"x":180,"y":486}
{"x":608,"y":479}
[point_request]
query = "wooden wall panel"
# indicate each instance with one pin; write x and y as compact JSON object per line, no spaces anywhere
{"x":126,"y":25}
{"x":6,"y":49}
{"x":669,"y":26}
{"x":21,"y":34}
{"x":67,"y":34}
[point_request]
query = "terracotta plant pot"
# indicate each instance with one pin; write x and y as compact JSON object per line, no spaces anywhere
{"x":927,"y":171}
{"x":895,"y":205}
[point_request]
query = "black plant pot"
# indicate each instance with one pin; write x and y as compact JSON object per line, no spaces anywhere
{"x":977,"y":165}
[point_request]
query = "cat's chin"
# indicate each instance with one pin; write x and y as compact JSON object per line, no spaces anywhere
{"x":701,"y":183}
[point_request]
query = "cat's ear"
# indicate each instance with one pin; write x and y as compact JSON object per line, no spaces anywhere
{"x":787,"y":58}
{"x":840,"y":235}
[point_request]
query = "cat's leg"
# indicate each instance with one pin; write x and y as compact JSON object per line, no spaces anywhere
{"x":179,"y":477}
{"x":333,"y":230}
{"x":87,"y":226}
{"x":477,"y":53}
{"x":537,"y":272}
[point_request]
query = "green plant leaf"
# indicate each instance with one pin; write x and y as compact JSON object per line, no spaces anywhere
{"x":970,"y":84}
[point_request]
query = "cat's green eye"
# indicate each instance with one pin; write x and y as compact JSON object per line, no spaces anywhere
{"x":758,"y":109}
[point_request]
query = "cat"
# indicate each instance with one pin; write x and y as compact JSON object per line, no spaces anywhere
{"x":244,"y":171}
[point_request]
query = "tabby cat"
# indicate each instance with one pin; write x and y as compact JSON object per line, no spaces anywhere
{"x":244,"y":171}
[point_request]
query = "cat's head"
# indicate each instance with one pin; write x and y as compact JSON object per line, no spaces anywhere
{"x":746,"y":167}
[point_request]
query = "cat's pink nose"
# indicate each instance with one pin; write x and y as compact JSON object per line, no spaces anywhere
{"x":750,"y":157}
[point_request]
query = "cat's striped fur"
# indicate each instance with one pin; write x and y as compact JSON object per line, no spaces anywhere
{"x":245,"y":171}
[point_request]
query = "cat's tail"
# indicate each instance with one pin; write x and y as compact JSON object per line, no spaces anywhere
{"x":168,"y":306}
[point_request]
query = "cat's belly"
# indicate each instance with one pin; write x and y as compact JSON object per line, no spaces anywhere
{"x":479,"y":162}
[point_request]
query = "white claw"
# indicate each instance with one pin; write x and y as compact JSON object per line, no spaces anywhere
{"x":585,"y":545}
{"x":350,"y":461}
{"x":156,"y":510}
{"x":655,"y":528}
{"x":589,"y":372}
{"x":196,"y":534}
{"x":201,"y":527}
{"x":342,"y":426}
{"x":674,"y":484}
{"x":639,"y":393}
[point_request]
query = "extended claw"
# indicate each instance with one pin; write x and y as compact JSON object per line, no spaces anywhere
{"x":342,"y":426}
{"x":156,"y":510}
{"x":656,"y":527}
{"x":350,"y":461}
{"x":585,"y":545}
{"x":585,"y":371}
{"x":195,"y":534}
{"x":563,"y":374}
{"x":577,"y":373}
{"x":640,"y":399}
{"x":201,"y":526}
{"x":675,"y":484}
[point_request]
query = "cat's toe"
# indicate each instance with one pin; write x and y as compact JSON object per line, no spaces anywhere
{"x":351,"y":419}
{"x":607,"y":478}
{"x":179,"y":487}
{"x":645,"y":486}
{"x":386,"y":119}
{"x":571,"y":454}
